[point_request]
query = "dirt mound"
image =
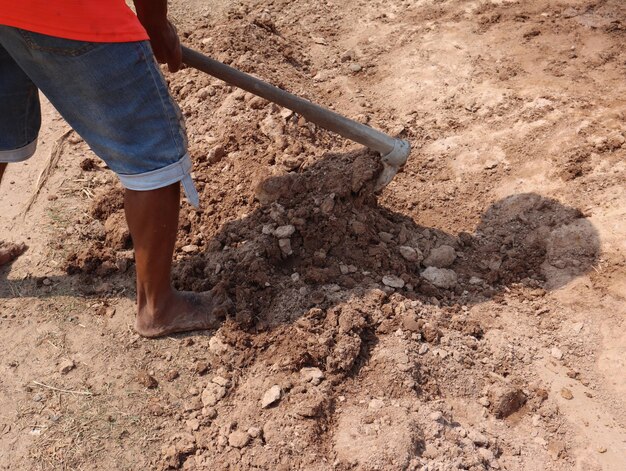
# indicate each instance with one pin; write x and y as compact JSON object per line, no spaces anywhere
{"x":357,"y":331}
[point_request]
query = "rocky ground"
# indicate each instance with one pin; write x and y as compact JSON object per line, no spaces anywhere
{"x":471,"y":316}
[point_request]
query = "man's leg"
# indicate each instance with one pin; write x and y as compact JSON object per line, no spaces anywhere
{"x":152,"y":218}
{"x":9,"y":252}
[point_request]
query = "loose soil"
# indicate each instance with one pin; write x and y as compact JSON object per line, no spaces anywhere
{"x":470,"y":316}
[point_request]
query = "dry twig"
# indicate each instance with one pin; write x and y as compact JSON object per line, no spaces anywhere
{"x":53,"y":160}
{"x":82,"y":393}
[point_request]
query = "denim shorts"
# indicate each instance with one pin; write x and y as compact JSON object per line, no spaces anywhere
{"x":112,"y":94}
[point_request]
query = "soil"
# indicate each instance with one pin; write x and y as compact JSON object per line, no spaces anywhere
{"x":470,"y":316}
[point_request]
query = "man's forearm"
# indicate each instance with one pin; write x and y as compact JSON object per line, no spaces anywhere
{"x":151,"y":12}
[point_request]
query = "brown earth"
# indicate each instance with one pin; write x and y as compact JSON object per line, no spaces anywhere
{"x":469,"y":317}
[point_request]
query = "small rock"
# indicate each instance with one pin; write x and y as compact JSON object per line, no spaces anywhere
{"x":376,"y":404}
{"x":221,"y":381}
{"x":312,"y":375}
{"x":47,"y":282}
{"x":410,"y":254}
{"x":190,"y":248}
{"x":436,"y":416}
{"x":578,"y":327}
{"x":171,"y":375}
{"x":216,"y":154}
{"x":238,"y":439}
{"x":285,"y":246}
{"x":193,"y":425}
{"x":358,"y":228}
{"x":201,"y":367}
{"x":556,"y":449}
{"x":217,"y":346}
{"x":477,"y":438}
{"x":486,"y":454}
{"x":567,"y":394}
{"x":615,"y":141}
{"x":423,"y":349}
{"x":393,"y":281}
{"x":209,"y":412}
{"x":254,"y":432}
{"x":146,"y":380}
{"x":431,"y":333}
{"x":441,"y":257}
{"x":213,"y":394}
{"x":506,"y":400}
{"x":411,"y":323}
{"x":356,"y":67}
{"x":474,"y":280}
{"x":271,"y":396}
{"x":193,"y":404}
{"x":556,"y":353}
{"x":284,"y":232}
{"x":602,"y":449}
{"x":440,"y":277}
{"x":66,"y":366}
{"x":386,"y":237}
{"x":484,"y":401}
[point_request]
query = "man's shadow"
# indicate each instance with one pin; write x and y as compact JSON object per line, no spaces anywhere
{"x":319,"y":236}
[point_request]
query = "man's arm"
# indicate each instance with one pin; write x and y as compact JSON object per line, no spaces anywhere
{"x":165,"y":43}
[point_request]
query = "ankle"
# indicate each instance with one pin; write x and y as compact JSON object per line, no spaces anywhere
{"x":152,"y":308}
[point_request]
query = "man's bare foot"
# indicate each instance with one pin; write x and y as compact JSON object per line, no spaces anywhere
{"x":185,"y":312}
{"x":9,"y":252}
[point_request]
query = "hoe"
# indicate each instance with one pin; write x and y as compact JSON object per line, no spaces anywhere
{"x":394,"y":152}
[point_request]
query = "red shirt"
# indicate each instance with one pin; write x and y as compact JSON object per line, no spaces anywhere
{"x":83,"y":20}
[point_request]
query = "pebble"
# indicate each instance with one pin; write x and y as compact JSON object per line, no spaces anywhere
{"x":474,"y":280}
{"x":66,"y":366}
{"x":393,"y":281}
{"x":410,"y":254}
{"x":484,"y":401}
{"x":213,"y":394}
{"x":221,"y":381}
{"x":436,"y":416}
{"x":423,"y":349}
{"x":386,"y":237}
{"x":285,"y":246}
{"x":356,"y":67}
{"x":376,"y":404}
{"x":254,"y":432}
{"x":191,"y":248}
{"x":556,"y":353}
{"x":193,"y":425}
{"x":411,"y":323}
{"x":440,"y":277}
{"x":477,"y":438}
{"x":506,"y":400}
{"x":271,"y":396}
{"x":193,"y":405}
{"x":312,"y":375}
{"x":171,"y":375}
{"x":146,"y":380}
{"x":238,"y":439}
{"x":441,"y":257}
{"x":284,"y":232}
{"x":602,"y":449}
{"x":217,"y":347}
{"x":567,"y":394}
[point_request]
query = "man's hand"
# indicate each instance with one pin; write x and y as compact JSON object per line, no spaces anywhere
{"x":163,"y":36}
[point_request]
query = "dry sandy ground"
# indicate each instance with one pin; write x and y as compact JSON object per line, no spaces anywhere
{"x":511,"y":357}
